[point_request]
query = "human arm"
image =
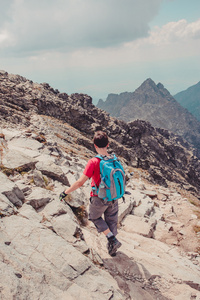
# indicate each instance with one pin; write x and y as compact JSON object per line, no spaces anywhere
{"x":74,"y":186}
{"x":77,"y":184}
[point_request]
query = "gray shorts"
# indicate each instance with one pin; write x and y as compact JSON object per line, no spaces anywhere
{"x":109,"y":210}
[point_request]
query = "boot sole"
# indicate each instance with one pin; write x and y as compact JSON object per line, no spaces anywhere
{"x":114,"y":249}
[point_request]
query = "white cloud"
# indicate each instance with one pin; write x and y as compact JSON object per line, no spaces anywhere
{"x":70,"y":24}
{"x":176,"y":32}
{"x":170,"y":42}
{"x":6,"y":39}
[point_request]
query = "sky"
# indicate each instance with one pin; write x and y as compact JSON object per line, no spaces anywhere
{"x":98,"y":47}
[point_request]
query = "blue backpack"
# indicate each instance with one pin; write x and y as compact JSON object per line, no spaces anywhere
{"x":112,"y":185}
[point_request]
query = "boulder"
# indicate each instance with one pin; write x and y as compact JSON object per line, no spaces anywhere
{"x":27,"y":211}
{"x":26,"y":143}
{"x":135,"y":224}
{"x":11,"y":191}
{"x":138,"y":196}
{"x":53,"y":171}
{"x":6,"y":207}
{"x":65,"y":227}
{"x":56,"y":208}
{"x":145,"y":208}
{"x":17,"y":160}
{"x":38,"y":178}
{"x":125,"y":208}
{"x":39,"y":197}
{"x":76,"y":199}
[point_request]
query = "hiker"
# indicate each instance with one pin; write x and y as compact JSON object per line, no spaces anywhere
{"x":99,"y":206}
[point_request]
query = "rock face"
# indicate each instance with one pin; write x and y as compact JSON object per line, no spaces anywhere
{"x":190,"y":99}
{"x":49,"y":250}
{"x":166,"y":158}
{"x":153,"y":103}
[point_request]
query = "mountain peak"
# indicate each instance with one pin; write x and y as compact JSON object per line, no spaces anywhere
{"x":153,"y":103}
{"x":148,"y":82}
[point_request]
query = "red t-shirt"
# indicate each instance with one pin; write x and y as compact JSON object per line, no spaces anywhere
{"x":92,"y":170}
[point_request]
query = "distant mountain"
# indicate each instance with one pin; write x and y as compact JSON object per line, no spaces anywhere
{"x":153,"y":103}
{"x":190,"y":99}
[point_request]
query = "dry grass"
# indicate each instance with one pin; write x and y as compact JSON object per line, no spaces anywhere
{"x":60,"y":136}
{"x":6,"y":171}
{"x":196,"y":228}
{"x":81,"y":214}
{"x":2,"y":136}
{"x":197,"y":213}
{"x":41,"y":138}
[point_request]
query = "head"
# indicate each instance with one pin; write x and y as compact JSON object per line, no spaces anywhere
{"x":100,"y":139}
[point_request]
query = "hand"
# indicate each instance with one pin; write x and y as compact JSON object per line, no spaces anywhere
{"x":62,"y":196}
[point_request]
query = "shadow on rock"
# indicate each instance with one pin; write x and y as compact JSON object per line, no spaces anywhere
{"x":133,"y":278}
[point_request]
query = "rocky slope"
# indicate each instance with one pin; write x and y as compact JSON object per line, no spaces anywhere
{"x":166,"y":157}
{"x":190,"y":99}
{"x":50,"y":251}
{"x":153,"y":103}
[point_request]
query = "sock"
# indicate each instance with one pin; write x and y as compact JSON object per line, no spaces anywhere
{"x":110,"y":234}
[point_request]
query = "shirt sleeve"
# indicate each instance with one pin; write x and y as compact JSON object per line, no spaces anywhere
{"x":89,"y":169}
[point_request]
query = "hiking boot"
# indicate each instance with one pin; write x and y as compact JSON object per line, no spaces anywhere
{"x":112,"y":245}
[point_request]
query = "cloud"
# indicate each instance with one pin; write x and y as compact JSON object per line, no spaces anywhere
{"x":172,"y":41}
{"x":69,"y":24}
{"x":5,"y":39}
{"x":176,"y":32}
{"x":4,"y":11}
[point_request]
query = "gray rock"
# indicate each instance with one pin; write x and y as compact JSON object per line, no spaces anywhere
{"x":26,"y":143}
{"x":162,"y":230}
{"x":146,"y":208}
{"x":26,"y":189}
{"x":138,"y":196}
{"x":76,"y":199}
{"x":17,"y":160}
{"x":11,"y":191}
{"x":27,"y":211}
{"x":6,"y":207}
{"x":126,"y":207}
{"x":55,"y":209}
{"x":99,"y":284}
{"x":53,"y":171}
{"x":39,"y":197}
{"x":65,"y":227}
{"x":135,"y":224}
{"x":38,"y":178}
{"x":150,"y":193}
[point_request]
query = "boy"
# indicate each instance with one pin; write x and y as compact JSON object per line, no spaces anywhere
{"x":97,"y":206}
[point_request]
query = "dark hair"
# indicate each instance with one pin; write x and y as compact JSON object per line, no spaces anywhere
{"x":100,"y":139}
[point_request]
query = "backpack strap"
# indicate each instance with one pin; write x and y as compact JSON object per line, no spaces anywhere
{"x":99,"y":156}
{"x":113,"y":157}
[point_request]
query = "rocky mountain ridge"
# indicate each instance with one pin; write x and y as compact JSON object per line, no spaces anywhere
{"x":190,"y":99}
{"x":153,"y":103}
{"x":49,"y":250}
{"x":166,"y":157}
